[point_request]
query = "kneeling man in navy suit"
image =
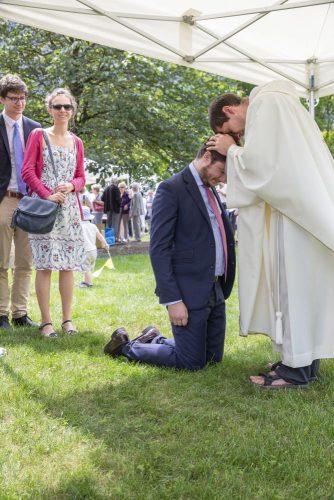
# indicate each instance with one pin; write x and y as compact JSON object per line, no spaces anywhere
{"x":193,"y":258}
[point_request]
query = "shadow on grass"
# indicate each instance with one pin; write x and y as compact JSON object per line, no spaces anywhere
{"x":82,"y":486}
{"x":83,"y":342}
{"x":137,"y":399}
{"x":153,"y":421}
{"x":129,"y":406}
{"x":130,"y":414}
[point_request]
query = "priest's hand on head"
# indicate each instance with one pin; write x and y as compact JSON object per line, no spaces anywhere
{"x":220,"y":143}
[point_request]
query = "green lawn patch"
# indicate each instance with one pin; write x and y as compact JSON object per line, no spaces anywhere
{"x":76,"y":424}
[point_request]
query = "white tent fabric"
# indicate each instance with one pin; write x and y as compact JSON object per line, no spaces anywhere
{"x":249,"y":40}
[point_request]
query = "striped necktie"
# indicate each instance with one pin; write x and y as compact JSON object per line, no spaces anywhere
{"x":18,"y":158}
{"x":213,"y":204}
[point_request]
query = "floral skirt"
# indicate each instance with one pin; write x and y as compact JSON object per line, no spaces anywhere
{"x":63,"y":248}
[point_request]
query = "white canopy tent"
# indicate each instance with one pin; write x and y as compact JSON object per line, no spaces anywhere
{"x":248,"y":40}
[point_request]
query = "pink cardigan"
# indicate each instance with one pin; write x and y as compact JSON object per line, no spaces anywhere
{"x":33,"y":165}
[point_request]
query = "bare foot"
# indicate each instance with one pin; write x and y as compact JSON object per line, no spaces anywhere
{"x":68,"y":327}
{"x":47,"y":330}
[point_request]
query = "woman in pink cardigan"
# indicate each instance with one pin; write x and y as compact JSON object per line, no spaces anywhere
{"x":63,"y":248}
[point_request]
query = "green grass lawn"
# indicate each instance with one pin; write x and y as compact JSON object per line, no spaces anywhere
{"x":76,"y":424}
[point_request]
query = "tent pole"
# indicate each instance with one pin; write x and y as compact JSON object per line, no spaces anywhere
{"x":311,"y":103}
{"x":311,"y":91}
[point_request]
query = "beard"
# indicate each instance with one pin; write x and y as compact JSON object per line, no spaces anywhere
{"x":205,"y":177}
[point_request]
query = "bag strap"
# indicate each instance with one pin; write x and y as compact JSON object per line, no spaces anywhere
{"x":47,"y":142}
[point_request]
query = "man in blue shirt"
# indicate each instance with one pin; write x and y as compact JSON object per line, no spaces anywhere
{"x":14,"y":131}
{"x":193,"y":259}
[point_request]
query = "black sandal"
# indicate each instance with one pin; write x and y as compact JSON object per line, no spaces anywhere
{"x":70,"y":331}
{"x":273,"y":366}
{"x":51,"y":334}
{"x":269,"y":379}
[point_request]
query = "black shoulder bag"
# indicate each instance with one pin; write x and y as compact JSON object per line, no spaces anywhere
{"x":37,"y":215}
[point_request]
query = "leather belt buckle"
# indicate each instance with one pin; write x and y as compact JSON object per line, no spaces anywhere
{"x":13,"y":194}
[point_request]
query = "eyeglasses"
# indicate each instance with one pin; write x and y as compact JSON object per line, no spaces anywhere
{"x":58,"y":107}
{"x":16,"y":100}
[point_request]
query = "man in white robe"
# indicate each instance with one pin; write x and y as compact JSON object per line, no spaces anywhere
{"x":286,"y":243}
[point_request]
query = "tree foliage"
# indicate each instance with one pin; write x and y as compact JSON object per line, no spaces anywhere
{"x":146,"y":116}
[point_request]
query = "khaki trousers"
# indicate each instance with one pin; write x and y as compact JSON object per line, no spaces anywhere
{"x":19,"y":293}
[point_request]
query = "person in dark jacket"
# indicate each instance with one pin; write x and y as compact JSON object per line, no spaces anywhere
{"x":193,"y":258}
{"x":14,"y":131}
{"x":125,"y":209}
{"x":112,"y":204}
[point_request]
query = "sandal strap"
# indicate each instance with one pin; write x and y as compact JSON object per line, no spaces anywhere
{"x":66,"y":321}
{"x":43,"y":325}
{"x":269,"y":379}
{"x":275,"y":365}
{"x":70,"y":331}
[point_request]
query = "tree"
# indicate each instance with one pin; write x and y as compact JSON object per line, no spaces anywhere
{"x":143,"y":115}
{"x":325,"y":120}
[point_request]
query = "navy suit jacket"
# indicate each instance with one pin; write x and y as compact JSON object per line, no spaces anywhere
{"x":5,"y":165}
{"x":182,"y":247}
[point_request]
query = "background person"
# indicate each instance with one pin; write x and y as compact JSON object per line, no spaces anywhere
{"x":98,"y":204}
{"x":63,"y":248}
{"x":193,"y":258}
{"x":84,"y":198}
{"x":91,"y":233}
{"x":112,"y":204}
{"x":125,"y":210}
{"x":149,"y":202}
{"x":286,"y":243}
{"x":137,"y":210}
{"x":14,"y":131}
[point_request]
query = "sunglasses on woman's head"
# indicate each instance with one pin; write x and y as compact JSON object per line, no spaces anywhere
{"x":58,"y":107}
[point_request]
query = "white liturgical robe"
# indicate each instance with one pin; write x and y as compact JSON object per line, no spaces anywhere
{"x":282,"y":181}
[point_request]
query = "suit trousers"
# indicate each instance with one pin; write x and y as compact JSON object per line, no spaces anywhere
{"x":19,"y":293}
{"x":200,"y":342}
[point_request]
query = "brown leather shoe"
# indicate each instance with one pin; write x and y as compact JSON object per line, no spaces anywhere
{"x":147,"y":335}
{"x":119,"y":338}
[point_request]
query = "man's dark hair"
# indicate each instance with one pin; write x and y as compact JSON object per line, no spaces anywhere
{"x":215,"y":156}
{"x":216,"y":114}
{"x":12,"y":83}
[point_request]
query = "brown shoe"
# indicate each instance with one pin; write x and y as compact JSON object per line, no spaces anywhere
{"x":119,"y":338}
{"x":147,"y":335}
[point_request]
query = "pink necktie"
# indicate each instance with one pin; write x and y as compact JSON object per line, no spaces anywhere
{"x":213,"y":204}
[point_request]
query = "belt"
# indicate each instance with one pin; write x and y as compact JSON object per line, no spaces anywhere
{"x":13,"y":194}
{"x":216,"y":278}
